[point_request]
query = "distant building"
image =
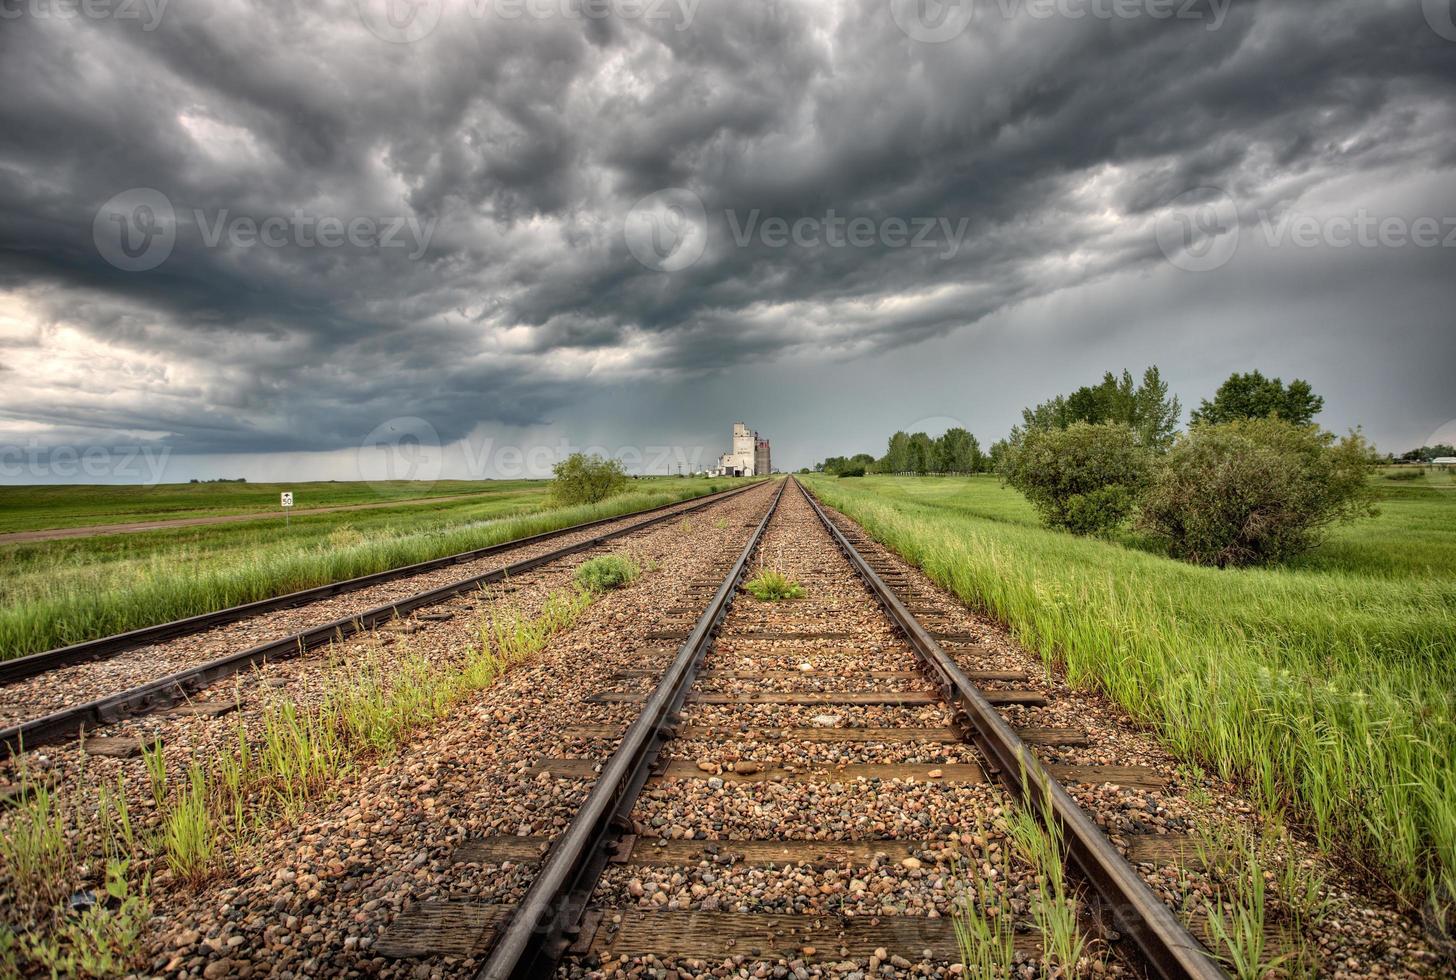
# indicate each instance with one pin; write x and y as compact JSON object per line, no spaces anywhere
{"x":1444,"y":461}
{"x":749,"y":456}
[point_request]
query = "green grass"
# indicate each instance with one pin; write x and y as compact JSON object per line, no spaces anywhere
{"x":29,"y":508}
{"x":606,"y":572}
{"x":1325,"y":688}
{"x":59,"y":592}
{"x":770,"y":585}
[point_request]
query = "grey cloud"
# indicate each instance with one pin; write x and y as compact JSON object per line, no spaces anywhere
{"x":527,"y":141}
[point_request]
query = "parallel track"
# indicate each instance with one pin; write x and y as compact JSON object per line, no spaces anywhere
{"x":164,"y":691}
{"x":554,"y":918}
{"x":32,"y":665}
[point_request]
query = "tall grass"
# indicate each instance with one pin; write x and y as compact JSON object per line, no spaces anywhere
{"x":50,"y":602}
{"x":1328,"y":691}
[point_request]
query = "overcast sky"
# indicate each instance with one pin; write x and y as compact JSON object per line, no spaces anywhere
{"x":250,"y":237}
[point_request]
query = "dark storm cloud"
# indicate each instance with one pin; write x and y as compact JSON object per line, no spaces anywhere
{"x":514,"y":148}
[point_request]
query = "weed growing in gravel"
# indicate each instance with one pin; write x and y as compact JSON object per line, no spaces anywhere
{"x":36,"y":849}
{"x":156,"y":764}
{"x":188,"y":831}
{"x":606,"y":572}
{"x":770,"y":585}
{"x":102,"y":941}
{"x":1054,"y":908}
{"x":1242,"y":867}
{"x":984,"y":923}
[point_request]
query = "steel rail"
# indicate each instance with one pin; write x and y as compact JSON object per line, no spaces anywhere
{"x":71,"y":721}
{"x":1169,"y":950}
{"x":101,"y":648}
{"x":548,"y":919}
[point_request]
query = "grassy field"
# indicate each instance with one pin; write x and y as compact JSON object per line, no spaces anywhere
{"x":1325,"y":687}
{"x":54,"y":593}
{"x":44,"y":507}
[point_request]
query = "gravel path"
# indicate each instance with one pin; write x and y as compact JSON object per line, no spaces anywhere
{"x":53,"y":691}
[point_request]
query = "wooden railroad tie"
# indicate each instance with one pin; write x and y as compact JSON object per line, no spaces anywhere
{"x":813,"y":698}
{"x":896,"y":675}
{"x":830,"y":734}
{"x":461,"y":927}
{"x":1138,"y":777}
{"x":1156,"y":849}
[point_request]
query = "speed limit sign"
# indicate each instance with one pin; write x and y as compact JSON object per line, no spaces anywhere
{"x":288,"y":498}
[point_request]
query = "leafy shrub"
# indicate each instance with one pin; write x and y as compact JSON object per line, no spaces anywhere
{"x":852,"y":471}
{"x":772,"y":586}
{"x":1085,"y":478}
{"x":582,"y":479}
{"x":1255,"y":491}
{"x":606,"y":572}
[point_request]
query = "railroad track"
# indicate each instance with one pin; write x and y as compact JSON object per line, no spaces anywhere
{"x":102,"y":701}
{"x":824,"y":741}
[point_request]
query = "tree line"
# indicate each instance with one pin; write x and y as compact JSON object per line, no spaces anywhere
{"x":1252,"y":480}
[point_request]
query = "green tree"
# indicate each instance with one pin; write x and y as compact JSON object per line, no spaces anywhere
{"x":998,"y":455}
{"x":1255,"y":491}
{"x":957,"y":451}
{"x":1146,"y":408}
{"x":1253,"y":396}
{"x":582,"y":479}
{"x":1085,"y":478}
{"x":1155,"y":413}
{"x":922,"y":454}
{"x":897,"y":455}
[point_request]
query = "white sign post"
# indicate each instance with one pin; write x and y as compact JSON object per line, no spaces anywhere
{"x":286,"y":499}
